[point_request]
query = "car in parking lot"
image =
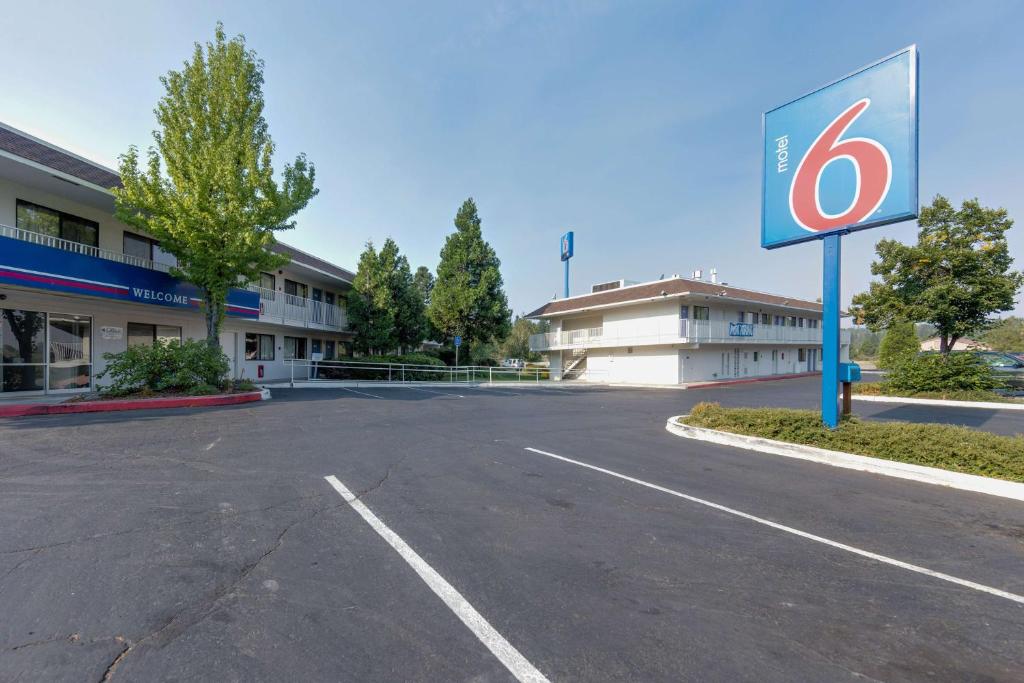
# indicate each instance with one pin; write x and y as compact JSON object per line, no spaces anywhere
{"x":1006,"y":366}
{"x":516,"y":363}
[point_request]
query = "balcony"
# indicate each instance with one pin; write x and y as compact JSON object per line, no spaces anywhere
{"x":77,"y":248}
{"x":288,"y":309}
{"x":684,"y":332}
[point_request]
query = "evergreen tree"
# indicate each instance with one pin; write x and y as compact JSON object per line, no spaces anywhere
{"x":207,"y":190}
{"x":468,"y":298}
{"x":424,"y":281}
{"x":385,"y":309}
{"x":956,"y":275}
{"x":900,"y":342}
{"x":410,"y":319}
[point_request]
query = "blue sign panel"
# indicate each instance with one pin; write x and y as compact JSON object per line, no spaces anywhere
{"x":41,"y":267}
{"x":741,"y":330}
{"x":458,"y":341}
{"x":566,"y":246}
{"x":843,"y":157}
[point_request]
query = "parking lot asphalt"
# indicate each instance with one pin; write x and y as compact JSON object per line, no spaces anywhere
{"x":197,"y":545}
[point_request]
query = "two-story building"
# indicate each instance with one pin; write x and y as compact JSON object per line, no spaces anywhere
{"x":679,"y":331}
{"x":76,"y":283}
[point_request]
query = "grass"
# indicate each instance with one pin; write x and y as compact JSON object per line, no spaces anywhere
{"x":958,"y":449}
{"x":881,"y":389}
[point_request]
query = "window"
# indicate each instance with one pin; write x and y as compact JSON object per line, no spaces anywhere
{"x":753,"y":317}
{"x":756,"y":356}
{"x":259,"y":346}
{"x":741,"y":316}
{"x":329,"y":298}
{"x":812,"y":323}
{"x":70,"y":355}
{"x":766,"y":319}
{"x":146,"y":248}
{"x":294,"y":348}
{"x":44,"y":351}
{"x":800,"y":322}
{"x":268,"y":281}
{"x":684,"y":312}
{"x":296,"y":289}
{"x":701,"y":313}
{"x":780,"y":320}
{"x":792,"y":321}
{"x":145,"y":334}
{"x":329,"y":349}
{"x":35,"y":218}
{"x":801,"y":355}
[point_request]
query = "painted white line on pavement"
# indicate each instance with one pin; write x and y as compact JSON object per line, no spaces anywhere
{"x":428,"y":391}
{"x":796,"y":532}
{"x":361,"y":392}
{"x":518,"y":665}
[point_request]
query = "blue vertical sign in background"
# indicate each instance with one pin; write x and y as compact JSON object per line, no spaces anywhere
{"x":565,"y":246}
{"x":840,"y":159}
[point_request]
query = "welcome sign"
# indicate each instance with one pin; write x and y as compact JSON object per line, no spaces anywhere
{"x":843,"y":157}
{"x":42,"y":267}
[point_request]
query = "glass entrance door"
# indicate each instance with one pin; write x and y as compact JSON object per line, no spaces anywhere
{"x":44,"y":352}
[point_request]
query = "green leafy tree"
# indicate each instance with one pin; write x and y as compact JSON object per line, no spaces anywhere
{"x":517,"y":343}
{"x":900,"y":342}
{"x":385,"y":309}
{"x":468,"y":297}
{"x":207,"y":190}
{"x":1006,"y":335}
{"x":956,"y":275}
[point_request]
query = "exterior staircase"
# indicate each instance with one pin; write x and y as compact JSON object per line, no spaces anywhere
{"x":576,"y":366}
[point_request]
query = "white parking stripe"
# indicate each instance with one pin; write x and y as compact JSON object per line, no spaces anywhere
{"x":495,"y":642}
{"x":796,"y":532}
{"x":361,"y":392}
{"x":428,"y":391}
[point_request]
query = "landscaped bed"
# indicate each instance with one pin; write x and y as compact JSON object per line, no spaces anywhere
{"x":883,"y":389}
{"x":957,"y":449}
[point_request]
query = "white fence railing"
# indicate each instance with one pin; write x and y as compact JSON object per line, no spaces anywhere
{"x":305,"y":370}
{"x":78,"y":248}
{"x":680,"y":332}
{"x":295,"y":310}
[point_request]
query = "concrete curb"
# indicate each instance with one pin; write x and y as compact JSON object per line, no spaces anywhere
{"x":749,"y":380}
{"x":989,"y":405}
{"x":864,"y":463}
{"x":28,"y":409}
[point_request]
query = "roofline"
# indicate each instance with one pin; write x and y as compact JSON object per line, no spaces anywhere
{"x":61,"y":175}
{"x":677,"y":295}
{"x":314,"y":268}
{"x":684,"y":279}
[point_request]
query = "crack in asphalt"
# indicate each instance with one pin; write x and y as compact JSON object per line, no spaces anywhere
{"x":189,"y":617}
{"x":387,"y":475}
{"x":216,"y":514}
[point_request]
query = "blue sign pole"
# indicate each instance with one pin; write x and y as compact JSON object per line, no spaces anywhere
{"x":830,"y":408}
{"x":565,"y":246}
{"x":566,"y":278}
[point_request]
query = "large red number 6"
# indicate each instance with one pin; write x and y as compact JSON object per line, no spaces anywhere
{"x":871,"y":164}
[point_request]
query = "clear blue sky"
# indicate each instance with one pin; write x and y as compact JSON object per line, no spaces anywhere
{"x":637,"y":124}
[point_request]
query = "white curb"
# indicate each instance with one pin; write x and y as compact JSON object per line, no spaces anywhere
{"x":991,"y":405}
{"x":890,"y":468}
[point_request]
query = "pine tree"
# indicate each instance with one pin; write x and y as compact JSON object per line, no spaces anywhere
{"x":207,"y":191}
{"x":385,"y":308}
{"x":468,"y":297}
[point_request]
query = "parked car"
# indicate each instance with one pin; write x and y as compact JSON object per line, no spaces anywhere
{"x":513,"y":363}
{"x":1006,"y":366}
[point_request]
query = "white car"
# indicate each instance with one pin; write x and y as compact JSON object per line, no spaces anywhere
{"x":513,"y":363}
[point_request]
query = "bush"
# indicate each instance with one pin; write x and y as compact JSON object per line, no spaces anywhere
{"x":933,"y":372}
{"x":899,"y":343}
{"x":175,"y":367}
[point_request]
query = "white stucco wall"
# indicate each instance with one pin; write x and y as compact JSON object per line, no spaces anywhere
{"x":644,"y":365}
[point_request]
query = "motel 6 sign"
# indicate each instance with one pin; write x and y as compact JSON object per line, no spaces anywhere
{"x":843,"y":157}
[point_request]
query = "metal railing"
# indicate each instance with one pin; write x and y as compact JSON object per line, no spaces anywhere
{"x":79,"y":248}
{"x":680,"y":332}
{"x":296,"y":310}
{"x":306,"y":370}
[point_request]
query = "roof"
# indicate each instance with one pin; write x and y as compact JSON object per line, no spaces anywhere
{"x":33,"y":149}
{"x":310,"y":261}
{"x":676,"y":286}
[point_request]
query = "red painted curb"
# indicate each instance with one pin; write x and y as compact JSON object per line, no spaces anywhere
{"x":26,"y":409}
{"x":770,"y":378}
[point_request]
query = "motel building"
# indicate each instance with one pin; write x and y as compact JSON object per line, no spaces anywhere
{"x":75,"y":284}
{"x":679,"y":331}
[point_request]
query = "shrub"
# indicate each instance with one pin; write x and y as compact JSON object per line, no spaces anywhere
{"x":178,"y":367}
{"x":899,"y":343}
{"x":933,"y":372}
